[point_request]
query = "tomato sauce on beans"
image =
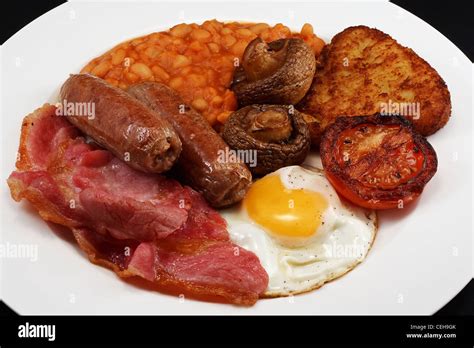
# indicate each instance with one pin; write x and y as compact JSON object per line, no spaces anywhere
{"x":196,"y":60}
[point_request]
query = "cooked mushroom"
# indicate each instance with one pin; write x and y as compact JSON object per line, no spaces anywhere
{"x":279,"y":72}
{"x":277,"y":133}
{"x":271,"y":126}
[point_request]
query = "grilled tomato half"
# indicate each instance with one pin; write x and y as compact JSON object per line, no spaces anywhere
{"x":377,"y":162}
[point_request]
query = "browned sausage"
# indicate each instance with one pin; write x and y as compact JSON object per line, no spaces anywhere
{"x":120,"y":123}
{"x":222,"y":181}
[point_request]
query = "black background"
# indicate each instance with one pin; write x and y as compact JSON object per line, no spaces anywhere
{"x":451,"y":18}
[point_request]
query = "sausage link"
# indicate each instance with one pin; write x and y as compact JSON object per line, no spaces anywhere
{"x":201,"y":164}
{"x":120,"y":123}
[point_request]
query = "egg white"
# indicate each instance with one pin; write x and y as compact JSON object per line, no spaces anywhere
{"x":342,"y":241}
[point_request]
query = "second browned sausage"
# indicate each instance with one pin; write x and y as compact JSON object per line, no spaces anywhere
{"x":120,"y":123}
{"x":221,"y":180}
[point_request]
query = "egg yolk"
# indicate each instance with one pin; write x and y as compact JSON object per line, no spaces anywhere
{"x":284,"y":212}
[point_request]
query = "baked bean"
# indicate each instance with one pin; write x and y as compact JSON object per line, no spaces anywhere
{"x":88,"y":68}
{"x":114,"y":73}
{"x":226,"y":63}
{"x":185,"y":70}
{"x":180,"y":30}
{"x":118,"y":56}
{"x":160,"y":73}
{"x":226,"y":77}
{"x":196,"y":60}
{"x":197,"y":80}
{"x":176,"y":82}
{"x":112,"y":81}
{"x":213,"y":47}
{"x":142,"y":70}
{"x":133,"y":54}
{"x":200,"y":35}
{"x":154,"y":38}
{"x":178,"y":42}
{"x":181,"y":61}
{"x":307,"y":30}
{"x":211,"y":117}
{"x":152,"y":52}
{"x":223,"y":116}
{"x":239,"y":48}
{"x":132,"y":77}
{"x":101,"y":69}
{"x":244,"y":32}
{"x":212,"y":26}
{"x":229,"y":40}
{"x":266,"y":35}
{"x":137,"y":41}
{"x":211,"y":91}
{"x":199,"y":104}
{"x":258,"y":28}
{"x":230,"y":101}
{"x":196,"y":46}
{"x":141,"y":47}
{"x":216,"y":101}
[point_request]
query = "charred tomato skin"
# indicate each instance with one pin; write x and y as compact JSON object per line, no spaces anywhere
{"x":351,"y":186}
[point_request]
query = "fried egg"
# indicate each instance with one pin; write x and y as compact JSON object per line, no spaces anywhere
{"x":299,"y":228}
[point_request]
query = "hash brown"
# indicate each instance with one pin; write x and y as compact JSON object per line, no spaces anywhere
{"x":364,"y":70}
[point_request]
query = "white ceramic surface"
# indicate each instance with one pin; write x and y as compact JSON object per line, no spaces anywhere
{"x":421,"y":257}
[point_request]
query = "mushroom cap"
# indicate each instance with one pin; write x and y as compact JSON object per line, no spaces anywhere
{"x":288,"y":83}
{"x":270,"y":156}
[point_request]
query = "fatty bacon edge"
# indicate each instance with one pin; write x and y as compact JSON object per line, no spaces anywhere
{"x":134,"y":223}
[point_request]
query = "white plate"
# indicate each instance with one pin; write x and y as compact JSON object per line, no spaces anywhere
{"x":420,"y":260}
